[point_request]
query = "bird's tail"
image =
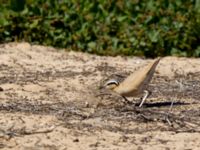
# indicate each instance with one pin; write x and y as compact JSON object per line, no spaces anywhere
{"x":152,"y":68}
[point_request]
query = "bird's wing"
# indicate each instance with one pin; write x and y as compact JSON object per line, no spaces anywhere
{"x":137,"y":79}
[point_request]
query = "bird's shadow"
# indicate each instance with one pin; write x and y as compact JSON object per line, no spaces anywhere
{"x":162,"y":104}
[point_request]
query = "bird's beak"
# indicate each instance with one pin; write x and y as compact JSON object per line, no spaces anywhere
{"x":101,"y":87}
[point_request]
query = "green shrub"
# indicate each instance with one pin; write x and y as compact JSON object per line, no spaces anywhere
{"x":131,"y":27}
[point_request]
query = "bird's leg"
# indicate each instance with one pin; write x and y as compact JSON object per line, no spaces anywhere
{"x":146,"y":94}
{"x":126,"y":100}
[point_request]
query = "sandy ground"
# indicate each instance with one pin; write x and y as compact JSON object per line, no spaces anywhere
{"x":50,"y":99}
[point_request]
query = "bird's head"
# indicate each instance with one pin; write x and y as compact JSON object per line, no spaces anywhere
{"x":111,"y":84}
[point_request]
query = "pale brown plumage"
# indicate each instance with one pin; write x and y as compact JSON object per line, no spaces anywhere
{"x":136,"y":83}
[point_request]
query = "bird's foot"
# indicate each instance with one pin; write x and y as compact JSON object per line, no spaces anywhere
{"x":126,"y":101}
{"x":146,"y":95}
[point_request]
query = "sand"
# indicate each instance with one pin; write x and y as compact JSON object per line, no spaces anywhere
{"x":50,"y":99}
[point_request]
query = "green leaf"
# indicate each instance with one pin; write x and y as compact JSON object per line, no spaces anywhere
{"x":34,"y":24}
{"x":92,"y":45}
{"x":17,"y":5}
{"x":3,"y":21}
{"x":153,"y":36}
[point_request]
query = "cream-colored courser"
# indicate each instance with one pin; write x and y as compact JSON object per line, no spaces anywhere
{"x":136,"y":83}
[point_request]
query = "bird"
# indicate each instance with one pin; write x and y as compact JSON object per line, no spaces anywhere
{"x":135,"y":84}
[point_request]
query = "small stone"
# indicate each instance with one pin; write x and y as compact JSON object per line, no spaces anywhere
{"x":139,"y":148}
{"x":87,"y":104}
{"x":1,"y":89}
{"x":76,"y":140}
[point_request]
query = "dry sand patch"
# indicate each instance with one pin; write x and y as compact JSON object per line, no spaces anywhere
{"x":51,"y":100}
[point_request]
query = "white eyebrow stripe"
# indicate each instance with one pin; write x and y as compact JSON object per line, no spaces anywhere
{"x":112,"y":81}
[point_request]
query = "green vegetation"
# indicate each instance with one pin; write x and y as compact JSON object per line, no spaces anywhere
{"x":105,"y":27}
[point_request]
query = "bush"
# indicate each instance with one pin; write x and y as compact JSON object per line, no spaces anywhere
{"x":131,"y":27}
